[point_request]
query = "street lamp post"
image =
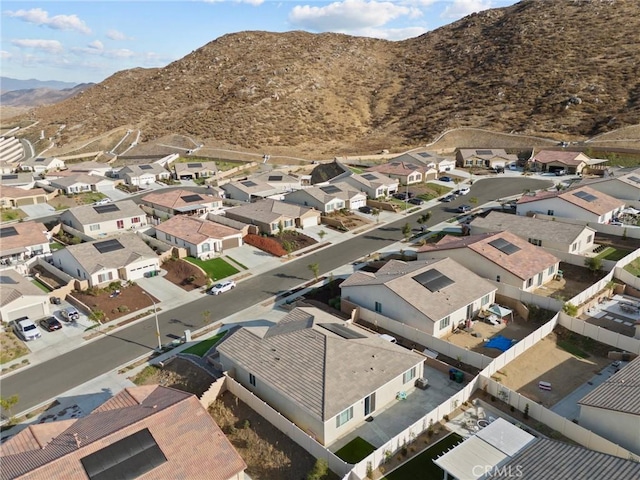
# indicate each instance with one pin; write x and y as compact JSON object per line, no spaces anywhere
{"x":155,"y":312}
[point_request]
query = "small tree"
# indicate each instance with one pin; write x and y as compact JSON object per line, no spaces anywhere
{"x":376,"y":213}
{"x":559,"y":186}
{"x":315,"y":269}
{"x":406,"y":230}
{"x":425,"y":217}
{"x":280,"y":228}
{"x":570,"y":309}
{"x":206,"y":317}
{"x":319,"y":471}
{"x":96,"y":316}
{"x":7,"y":403}
{"x":594,"y":264}
{"x":526,"y":411}
{"x":288,"y":247}
{"x":473,"y":200}
{"x":322,"y":234}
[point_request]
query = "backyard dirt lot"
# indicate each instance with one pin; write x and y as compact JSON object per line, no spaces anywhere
{"x":548,"y":362}
{"x":130,"y":299}
{"x":575,"y":280}
{"x":514,"y":330}
{"x":184,"y":274}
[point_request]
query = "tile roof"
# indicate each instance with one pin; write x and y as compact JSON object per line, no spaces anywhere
{"x":562,"y":156}
{"x":252,"y":186}
{"x":269,"y":210}
{"x":553,"y":460}
{"x":486,"y":153}
{"x":620,"y":392}
{"x":195,"y":167}
{"x":67,"y":181}
{"x":530,"y":227}
{"x":28,"y":234}
{"x":21,"y":178}
{"x":379,"y":180}
{"x":602,"y":204}
{"x":136,"y":170}
{"x":184,"y":431}
{"x":87,"y":214}
{"x":194,"y":230}
{"x":344,"y":192}
{"x":271,"y":176}
{"x":40,"y":162}
{"x":397,"y":168}
{"x":525,"y":263}
{"x":397,"y":276}
{"x":422,"y":158}
{"x":89,"y":258}
{"x":175,"y":199}
{"x":14,"y":286}
{"x":317,"y":369}
{"x":16,"y":192}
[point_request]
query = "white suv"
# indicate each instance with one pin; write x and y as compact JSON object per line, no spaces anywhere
{"x":462,"y":191}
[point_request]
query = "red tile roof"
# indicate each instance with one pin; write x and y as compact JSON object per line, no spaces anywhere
{"x":561,"y":156}
{"x":601,"y":205}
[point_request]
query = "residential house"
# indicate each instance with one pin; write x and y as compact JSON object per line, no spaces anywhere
{"x":249,"y":190}
{"x":428,"y":159}
{"x":504,"y":451}
{"x":99,"y":169}
{"x":328,"y":198}
{"x":24,"y":180}
{"x":406,"y":173}
{"x":555,"y":160}
{"x":202,"y":238}
{"x":484,"y":158}
{"x":270,"y":215}
{"x":582,"y":203}
{"x":14,"y":197}
{"x":100,"y":220}
{"x":612,"y":409}
{"x":148,"y":432}
{"x":126,"y":257}
{"x":40,"y":165}
{"x":143,"y":174}
{"x":625,"y":187}
{"x":498,"y":256}
{"x":281,"y":181}
{"x":164,"y":204}
{"x":323,"y":374}
{"x":433,"y":296}
{"x":81,"y":183}
{"x":20,"y":298}
{"x":564,"y":237}
{"x":374,"y":184}
{"x":23,"y":240}
{"x":193,"y":170}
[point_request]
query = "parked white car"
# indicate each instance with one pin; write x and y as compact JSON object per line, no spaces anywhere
{"x":462,"y":191}
{"x":26,"y":329}
{"x":222,"y":287}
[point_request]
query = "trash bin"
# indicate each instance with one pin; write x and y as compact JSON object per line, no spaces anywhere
{"x":452,"y":373}
{"x":459,"y":377}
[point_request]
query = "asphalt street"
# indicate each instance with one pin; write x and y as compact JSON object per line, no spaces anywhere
{"x":45,"y":381}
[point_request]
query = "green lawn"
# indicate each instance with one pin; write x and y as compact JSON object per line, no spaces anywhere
{"x":216,"y":268}
{"x":613,"y":254}
{"x":422,"y":465}
{"x":355,"y":450}
{"x":40,"y":285}
{"x":55,"y":246}
{"x":634,"y":267}
{"x":201,"y":348}
{"x":89,"y":197}
{"x":7,"y":215}
{"x":235,"y":261}
{"x":572,"y":349}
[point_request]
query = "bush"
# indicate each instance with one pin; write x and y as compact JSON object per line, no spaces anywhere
{"x":319,"y":470}
{"x":123,"y":309}
{"x":266,"y":244}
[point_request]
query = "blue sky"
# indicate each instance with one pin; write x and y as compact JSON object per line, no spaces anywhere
{"x":88,"y":41}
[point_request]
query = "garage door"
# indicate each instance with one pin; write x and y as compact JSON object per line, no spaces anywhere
{"x":25,"y":201}
{"x":34,"y":312}
{"x":309,"y":222}
{"x":231,"y":242}
{"x":358,"y":203}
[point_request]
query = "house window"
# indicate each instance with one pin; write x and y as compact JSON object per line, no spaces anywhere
{"x":550,"y":212}
{"x":529,"y":282}
{"x":168,"y":237}
{"x":444,"y":323}
{"x":536,"y":242}
{"x":409,"y":375}
{"x":590,"y":239}
{"x":135,"y":220}
{"x":252,"y":379}
{"x":105,"y":277}
{"x":378,"y":307}
{"x":552,"y":269}
{"x":498,"y":278}
{"x":344,"y":417}
{"x":206,"y":247}
{"x":573,"y":247}
{"x":94,"y":227}
{"x":120,"y":223}
{"x":486,"y":299}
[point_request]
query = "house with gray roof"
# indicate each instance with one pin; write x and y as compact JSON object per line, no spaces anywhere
{"x":328,"y":198}
{"x":281,"y":181}
{"x":249,"y":190}
{"x":126,"y":257}
{"x":560,"y":236}
{"x":167,"y":203}
{"x":623,"y":187}
{"x":374,"y":184}
{"x":269,"y":215}
{"x":42,"y":164}
{"x":497,"y":256}
{"x":100,"y":220}
{"x":428,"y":159}
{"x":81,"y":183}
{"x":193,"y":170}
{"x":433,"y":296}
{"x":406,"y":173}
{"x":21,"y":298}
{"x":484,"y":157}
{"x":143,"y":174}
{"x":612,"y":409}
{"x":325,"y":375}
{"x":21,"y":179}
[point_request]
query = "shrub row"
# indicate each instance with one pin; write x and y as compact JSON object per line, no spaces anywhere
{"x":267,"y":244}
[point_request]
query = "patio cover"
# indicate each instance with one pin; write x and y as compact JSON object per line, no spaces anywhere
{"x":470,"y":459}
{"x":630,"y":211}
{"x":500,"y":311}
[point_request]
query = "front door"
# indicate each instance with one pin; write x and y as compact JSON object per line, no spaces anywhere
{"x":470,"y":310}
{"x":370,"y":404}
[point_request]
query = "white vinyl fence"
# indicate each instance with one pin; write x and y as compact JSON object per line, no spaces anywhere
{"x":608,"y":337}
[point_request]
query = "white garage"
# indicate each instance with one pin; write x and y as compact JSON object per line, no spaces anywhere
{"x":20,"y":298}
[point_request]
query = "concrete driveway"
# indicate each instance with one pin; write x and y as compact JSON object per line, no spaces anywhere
{"x":115,"y":194}
{"x":39,"y":210}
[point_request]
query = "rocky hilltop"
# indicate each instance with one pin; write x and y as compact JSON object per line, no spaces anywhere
{"x":570,"y":67}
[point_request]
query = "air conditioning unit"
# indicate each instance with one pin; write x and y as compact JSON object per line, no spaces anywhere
{"x":422,"y":383}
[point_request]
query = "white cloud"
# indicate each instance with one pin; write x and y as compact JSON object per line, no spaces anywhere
{"x":462,"y":8}
{"x":347,"y":15}
{"x":38,"y":16}
{"x":50,"y":46}
{"x":119,"y":53}
{"x":117,"y":35}
{"x":4,"y":55}
{"x":96,"y":45}
{"x":391,"y":33}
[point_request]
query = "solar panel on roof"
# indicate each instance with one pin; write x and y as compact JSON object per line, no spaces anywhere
{"x":9,"y":177}
{"x":275,"y":178}
{"x":343,"y":331}
{"x":108,"y":246}
{"x":635,"y":179}
{"x":40,"y":159}
{"x":248,"y":183}
{"x":194,"y":165}
{"x":192,"y":198}
{"x":433,"y":280}
{"x":587,"y":197}
{"x":110,"y":207}
{"x":8,"y":232}
{"x":369,"y":176}
{"x":424,"y":154}
{"x":330,"y":189}
{"x":504,"y":246}
{"x":483,"y":152}
{"x":145,"y":167}
{"x":126,"y":459}
{"x":7,"y":280}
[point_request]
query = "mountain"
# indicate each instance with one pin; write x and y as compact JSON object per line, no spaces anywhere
{"x":10,"y":84}
{"x":544,"y":67}
{"x":39,"y":96}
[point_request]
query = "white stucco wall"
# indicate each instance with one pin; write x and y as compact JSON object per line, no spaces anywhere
{"x":620,"y":428}
{"x":562,"y":208}
{"x":33,"y":306}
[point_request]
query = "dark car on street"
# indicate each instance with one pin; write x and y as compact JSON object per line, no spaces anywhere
{"x":445,"y":179}
{"x":448,"y":198}
{"x":400,"y":196}
{"x":416,"y":201}
{"x":50,"y":324}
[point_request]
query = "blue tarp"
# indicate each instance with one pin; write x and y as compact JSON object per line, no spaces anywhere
{"x":499,"y":342}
